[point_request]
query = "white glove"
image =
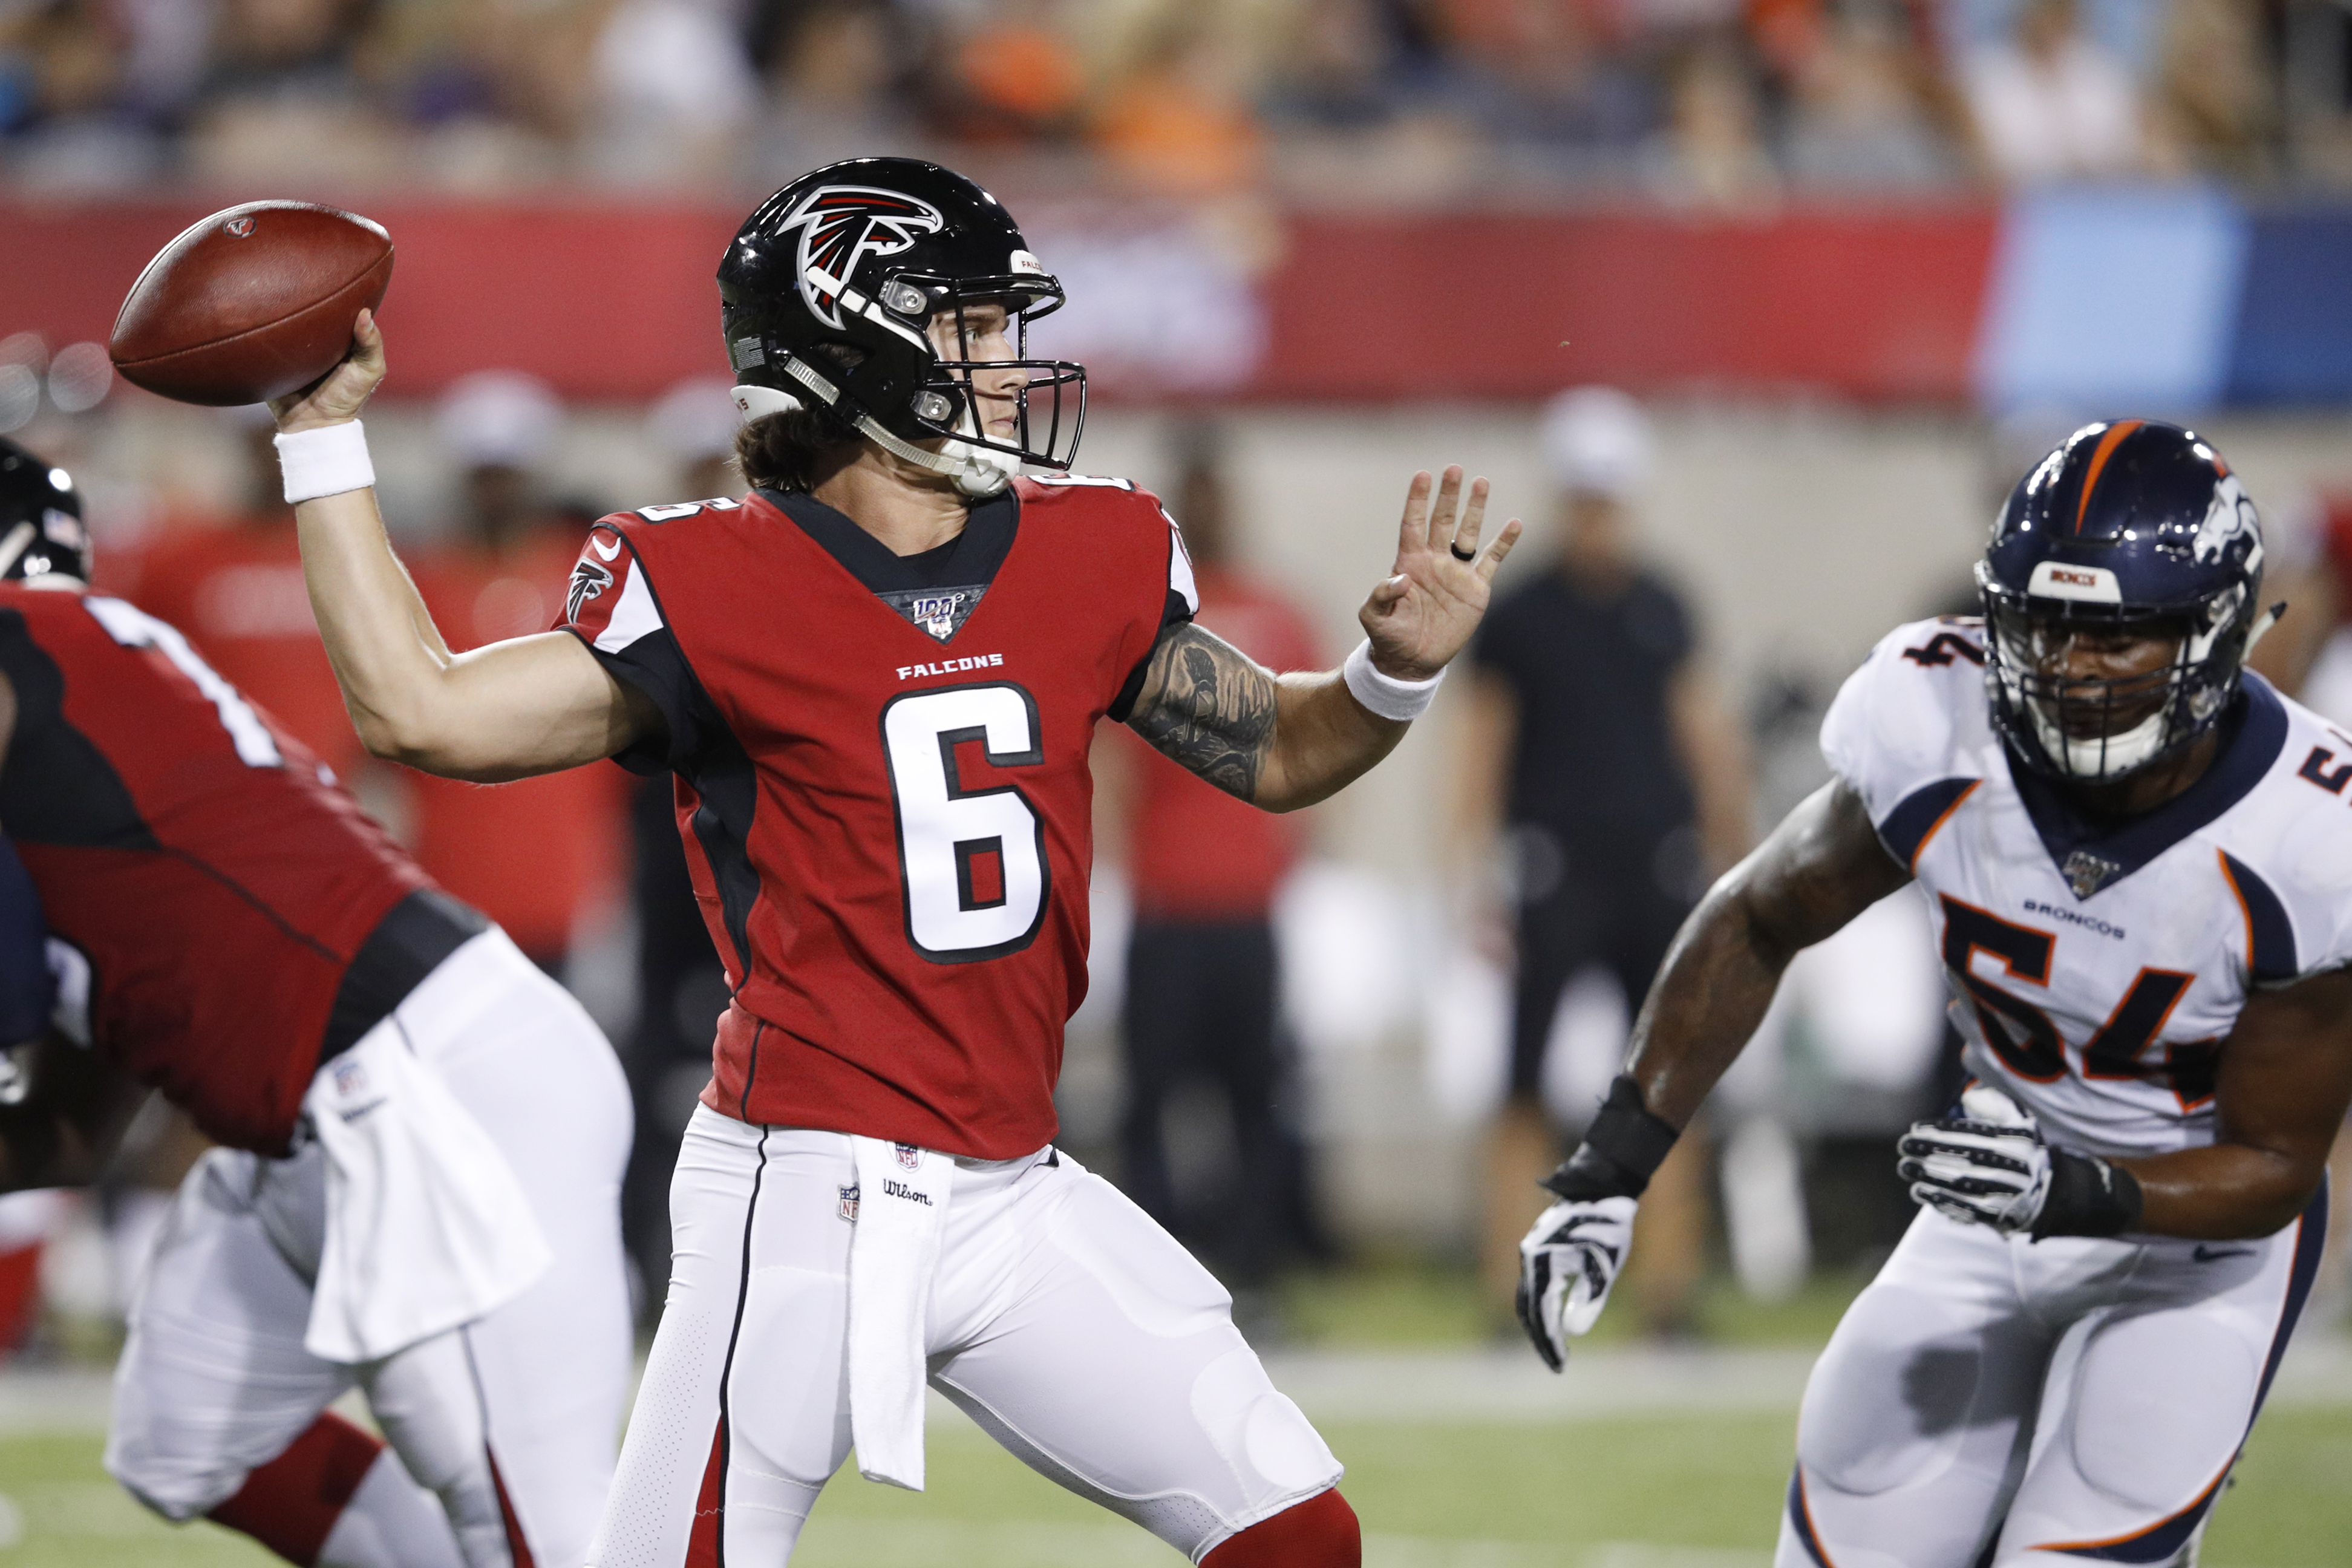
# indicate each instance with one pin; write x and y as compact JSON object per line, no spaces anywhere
{"x":1567,"y":1263}
{"x":1986,"y":1166}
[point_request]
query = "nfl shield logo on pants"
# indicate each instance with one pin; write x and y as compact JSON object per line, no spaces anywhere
{"x":909,"y":1156}
{"x":847,"y":1207}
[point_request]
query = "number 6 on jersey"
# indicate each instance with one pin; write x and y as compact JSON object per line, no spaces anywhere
{"x":974,"y":860}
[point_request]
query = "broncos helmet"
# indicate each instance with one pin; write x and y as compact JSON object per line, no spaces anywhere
{"x":827,"y":291}
{"x":41,"y":532}
{"x":2133,"y":527}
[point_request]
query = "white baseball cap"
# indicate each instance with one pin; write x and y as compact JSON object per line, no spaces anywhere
{"x":1597,"y":439}
{"x":501,"y":417}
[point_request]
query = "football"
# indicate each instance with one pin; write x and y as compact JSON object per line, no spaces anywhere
{"x":252,"y":303}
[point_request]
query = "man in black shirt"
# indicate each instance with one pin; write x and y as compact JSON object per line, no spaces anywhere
{"x":1618,"y":784}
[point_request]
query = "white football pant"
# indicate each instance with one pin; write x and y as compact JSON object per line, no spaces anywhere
{"x":1073,"y":1328}
{"x":523,"y":1403}
{"x":1993,"y":1402}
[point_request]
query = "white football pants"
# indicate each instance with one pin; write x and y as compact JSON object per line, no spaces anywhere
{"x":1073,"y":1329}
{"x":1993,"y":1402}
{"x":521,"y":1406}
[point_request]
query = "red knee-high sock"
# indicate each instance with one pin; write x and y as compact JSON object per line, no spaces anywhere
{"x":20,"y":1294}
{"x":291,"y":1503}
{"x":1321,"y":1533}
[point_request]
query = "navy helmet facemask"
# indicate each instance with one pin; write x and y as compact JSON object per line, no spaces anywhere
{"x":2127,"y":529}
{"x":41,"y":531}
{"x":826,"y":295}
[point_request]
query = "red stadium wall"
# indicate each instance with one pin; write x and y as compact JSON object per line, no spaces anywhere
{"x":614,"y":301}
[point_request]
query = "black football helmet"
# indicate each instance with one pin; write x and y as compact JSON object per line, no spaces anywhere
{"x":2128,"y":526}
{"x":827,"y":289}
{"x":41,"y":532}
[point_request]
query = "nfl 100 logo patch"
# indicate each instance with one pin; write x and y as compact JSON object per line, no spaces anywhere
{"x":910,"y":1157}
{"x":847,"y":1206}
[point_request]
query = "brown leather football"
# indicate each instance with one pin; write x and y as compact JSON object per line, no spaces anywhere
{"x":252,"y":303}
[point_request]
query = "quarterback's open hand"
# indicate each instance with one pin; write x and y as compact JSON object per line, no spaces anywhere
{"x":1567,"y":1263}
{"x":1423,"y":614}
{"x":338,"y":396}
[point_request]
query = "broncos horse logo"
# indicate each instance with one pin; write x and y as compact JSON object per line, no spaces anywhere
{"x":840,"y":226}
{"x":2228,"y":518}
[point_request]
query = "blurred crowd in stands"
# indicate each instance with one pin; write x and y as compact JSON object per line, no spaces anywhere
{"x":1710,"y":103}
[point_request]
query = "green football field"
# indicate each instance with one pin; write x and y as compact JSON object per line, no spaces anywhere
{"x":1682,"y":1491}
{"x":1460,"y":1455}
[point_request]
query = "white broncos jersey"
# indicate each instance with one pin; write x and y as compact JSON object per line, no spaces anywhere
{"x":2097,"y":967}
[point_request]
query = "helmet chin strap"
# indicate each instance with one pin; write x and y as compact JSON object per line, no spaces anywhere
{"x":2106,"y":757}
{"x":978,"y":471}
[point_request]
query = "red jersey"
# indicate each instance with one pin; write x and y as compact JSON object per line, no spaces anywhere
{"x":239,"y":595}
{"x":1194,"y":852}
{"x":194,"y":854}
{"x":883,"y":785}
{"x":531,"y":854}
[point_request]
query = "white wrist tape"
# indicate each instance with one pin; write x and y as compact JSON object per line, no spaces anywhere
{"x":324,"y":461}
{"x":1403,"y":701}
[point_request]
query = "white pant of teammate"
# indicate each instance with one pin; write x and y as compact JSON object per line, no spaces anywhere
{"x":2003,"y":1402}
{"x":523,"y":1403}
{"x":1073,"y":1329}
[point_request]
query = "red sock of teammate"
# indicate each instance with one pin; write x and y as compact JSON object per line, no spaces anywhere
{"x":291,"y":1503}
{"x":1321,"y":1533}
{"x":20,"y":1294}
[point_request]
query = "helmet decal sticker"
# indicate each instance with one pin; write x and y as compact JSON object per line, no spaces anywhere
{"x":839,"y":227}
{"x":2228,"y":518}
{"x":2099,"y":456}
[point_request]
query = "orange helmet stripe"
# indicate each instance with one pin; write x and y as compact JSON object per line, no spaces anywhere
{"x":2099,"y":456}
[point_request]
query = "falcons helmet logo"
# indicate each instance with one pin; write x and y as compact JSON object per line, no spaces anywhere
{"x":840,"y":226}
{"x":588,"y":580}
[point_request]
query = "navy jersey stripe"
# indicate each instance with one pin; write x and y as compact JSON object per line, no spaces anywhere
{"x":2160,"y":1542}
{"x":2310,"y":1241}
{"x":1917,"y":816}
{"x":1801,"y":1518}
{"x":2269,"y":936}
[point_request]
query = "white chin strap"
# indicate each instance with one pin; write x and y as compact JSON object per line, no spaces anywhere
{"x":2100,"y":759}
{"x":978,"y":471}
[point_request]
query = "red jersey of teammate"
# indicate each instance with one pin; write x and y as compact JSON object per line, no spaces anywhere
{"x":191,"y":851}
{"x":533,"y":853}
{"x":238,"y":593}
{"x":1194,"y":852}
{"x":883,"y":785}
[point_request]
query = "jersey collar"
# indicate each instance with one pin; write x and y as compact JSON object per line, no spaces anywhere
{"x":2094,"y":853}
{"x":970,"y":558}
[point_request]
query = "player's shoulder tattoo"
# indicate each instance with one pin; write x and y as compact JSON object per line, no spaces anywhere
{"x":1208,"y":706}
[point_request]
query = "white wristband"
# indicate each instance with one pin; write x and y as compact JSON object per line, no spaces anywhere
{"x":1403,"y":701}
{"x":324,"y":461}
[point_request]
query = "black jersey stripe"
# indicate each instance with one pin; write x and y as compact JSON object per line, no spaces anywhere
{"x":727,"y":1365}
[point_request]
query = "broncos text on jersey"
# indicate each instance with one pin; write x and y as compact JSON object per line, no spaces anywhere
{"x":2096,"y":967}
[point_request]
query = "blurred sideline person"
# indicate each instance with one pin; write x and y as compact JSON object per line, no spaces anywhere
{"x":1598,"y":753}
{"x":877,"y":678}
{"x":422,"y":1135}
{"x":2136,"y":853}
{"x":681,"y":987}
{"x":536,"y":855}
{"x":1203,"y":991}
{"x":234,"y":588}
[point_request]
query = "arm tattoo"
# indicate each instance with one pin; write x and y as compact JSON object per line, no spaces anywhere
{"x":1209,"y":705}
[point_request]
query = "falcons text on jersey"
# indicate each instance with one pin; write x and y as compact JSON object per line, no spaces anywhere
{"x":882,"y":784}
